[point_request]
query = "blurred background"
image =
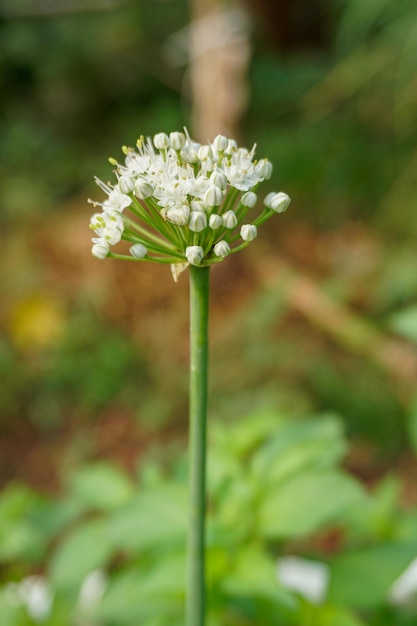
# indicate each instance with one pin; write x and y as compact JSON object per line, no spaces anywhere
{"x":319,"y":316}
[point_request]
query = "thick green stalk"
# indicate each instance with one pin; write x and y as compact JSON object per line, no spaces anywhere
{"x":199,"y":301}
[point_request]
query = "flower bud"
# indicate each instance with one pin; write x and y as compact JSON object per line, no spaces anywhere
{"x":215,"y":221}
{"x":197,"y":205}
{"x":126,"y":184}
{"x":200,"y":185}
{"x":221,"y":249}
{"x":213,"y":196}
{"x":100,"y":250}
{"x":278,"y":202}
{"x":161,"y":141}
{"x":138,"y":250}
{"x":249,"y":199}
{"x":220,"y":143}
{"x":194,"y":254}
{"x":179,"y":215}
{"x":231,"y":147}
{"x":198,"y":221}
{"x":177,"y":140}
{"x":143,"y":189}
{"x":207,"y":165}
{"x":264,"y":169}
{"x":218,"y":179}
{"x":229,"y":219}
{"x":205,"y":152}
{"x":189,"y":155}
{"x":248,"y":232}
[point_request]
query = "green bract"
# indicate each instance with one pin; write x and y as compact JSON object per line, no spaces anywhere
{"x":177,"y":201}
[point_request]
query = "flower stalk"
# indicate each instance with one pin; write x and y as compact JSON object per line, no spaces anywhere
{"x":179,"y":202}
{"x":199,"y":307}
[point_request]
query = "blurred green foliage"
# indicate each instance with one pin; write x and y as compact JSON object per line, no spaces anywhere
{"x":91,"y":366}
{"x":274,"y":484}
{"x":345,"y":118}
{"x":71,"y":85}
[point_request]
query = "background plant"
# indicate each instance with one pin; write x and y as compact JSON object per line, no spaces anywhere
{"x":263,"y":471}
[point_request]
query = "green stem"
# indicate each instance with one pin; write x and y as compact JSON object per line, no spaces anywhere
{"x":199,"y":300}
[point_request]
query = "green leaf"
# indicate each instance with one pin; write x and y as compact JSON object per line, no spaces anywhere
{"x":412,"y":425}
{"x":405,"y":323}
{"x":406,"y":526}
{"x":362,"y":579}
{"x":139,"y":593}
{"x":222,"y":468}
{"x":233,"y":510}
{"x":378,"y":520}
{"x":248,"y":433}
{"x":336,"y":616}
{"x":10,"y":615}
{"x":20,"y":538}
{"x":53,"y":516}
{"x":156,"y":516}
{"x":306,"y":502}
{"x":85,"y":549}
{"x":297,"y":446}
{"x":101,"y":486}
{"x":253,"y":575}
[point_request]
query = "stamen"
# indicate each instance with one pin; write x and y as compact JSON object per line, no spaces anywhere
{"x":102,"y":185}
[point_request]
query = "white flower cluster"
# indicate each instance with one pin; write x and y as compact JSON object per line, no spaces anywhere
{"x":178,"y":201}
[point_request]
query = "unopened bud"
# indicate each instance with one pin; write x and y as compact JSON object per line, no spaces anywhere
{"x":189,"y":155}
{"x":100,"y":250}
{"x":229,"y":219}
{"x":138,"y":250}
{"x":215,"y":221}
{"x":194,"y":254}
{"x":213,"y":196}
{"x":248,"y":232}
{"x":126,"y":184}
{"x":179,"y":215}
{"x":278,"y":202}
{"x":161,"y":141}
{"x":220,"y":143}
{"x":205,"y":152}
{"x":197,"y":205}
{"x":249,"y":199}
{"x":221,"y":249}
{"x":218,"y":179}
{"x":198,"y":221}
{"x":177,"y":140}
{"x":264,"y":169}
{"x":231,"y":147}
{"x":143,"y":189}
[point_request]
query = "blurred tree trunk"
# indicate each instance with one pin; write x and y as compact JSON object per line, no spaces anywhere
{"x":219,"y":50}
